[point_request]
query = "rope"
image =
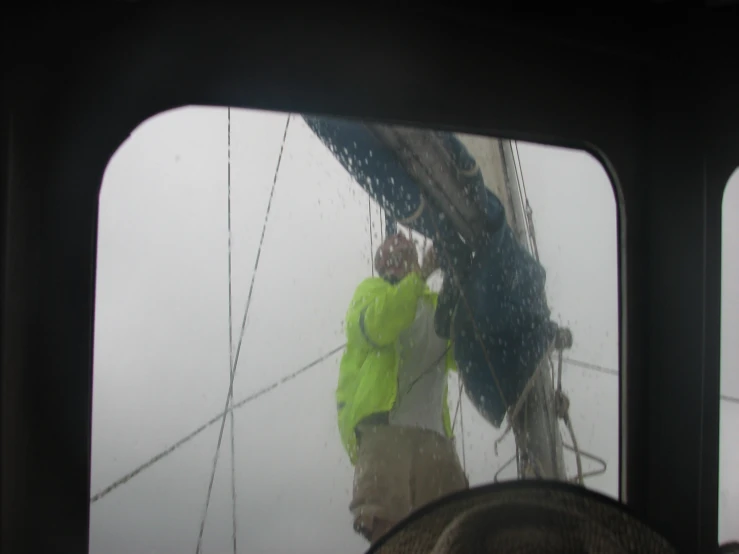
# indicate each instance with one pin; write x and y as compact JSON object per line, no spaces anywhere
{"x":241,"y":339}
{"x":433,"y":365}
{"x":505,"y":465}
{"x":513,"y":414}
{"x":459,"y":401}
{"x":230,"y":343}
{"x":187,"y":438}
{"x":562,"y":404}
{"x":458,"y":410}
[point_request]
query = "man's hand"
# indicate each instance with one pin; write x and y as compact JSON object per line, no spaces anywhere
{"x":430,"y":263}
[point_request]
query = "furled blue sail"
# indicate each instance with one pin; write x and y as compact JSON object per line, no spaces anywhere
{"x":427,"y":180}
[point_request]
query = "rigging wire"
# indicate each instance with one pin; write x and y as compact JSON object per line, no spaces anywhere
{"x":461,"y":425}
{"x":241,"y":338}
{"x":269,"y":388}
{"x":523,"y":184}
{"x":615,"y":372}
{"x":382,"y":225}
{"x":372,"y":248}
{"x":187,"y":438}
{"x":230,"y":344}
{"x":527,"y":208}
{"x":458,"y":410}
{"x":732,"y":399}
{"x":522,"y":199}
{"x":461,"y":428}
{"x":592,"y":367}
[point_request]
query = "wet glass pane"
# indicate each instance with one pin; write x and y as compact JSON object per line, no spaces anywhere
{"x":728,"y":525}
{"x":239,"y":238}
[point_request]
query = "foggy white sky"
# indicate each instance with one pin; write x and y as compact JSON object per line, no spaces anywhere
{"x":161,"y":344}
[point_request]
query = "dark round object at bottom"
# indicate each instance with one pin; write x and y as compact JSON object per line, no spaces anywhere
{"x":520,"y":517}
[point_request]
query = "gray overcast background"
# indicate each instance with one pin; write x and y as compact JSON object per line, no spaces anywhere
{"x":162,"y":347}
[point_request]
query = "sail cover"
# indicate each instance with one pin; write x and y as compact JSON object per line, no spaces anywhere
{"x":429,"y":181}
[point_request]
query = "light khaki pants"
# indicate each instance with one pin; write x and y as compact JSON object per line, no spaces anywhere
{"x":398,"y":470}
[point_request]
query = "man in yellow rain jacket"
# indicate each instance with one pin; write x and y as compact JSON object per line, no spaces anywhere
{"x":392,"y":393}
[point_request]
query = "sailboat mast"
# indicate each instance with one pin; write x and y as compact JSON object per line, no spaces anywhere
{"x":536,"y":426}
